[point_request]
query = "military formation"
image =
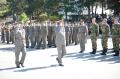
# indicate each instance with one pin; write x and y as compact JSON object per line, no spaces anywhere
{"x":42,"y":35}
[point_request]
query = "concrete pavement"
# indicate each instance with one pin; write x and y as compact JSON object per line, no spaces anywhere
{"x":41,"y":64}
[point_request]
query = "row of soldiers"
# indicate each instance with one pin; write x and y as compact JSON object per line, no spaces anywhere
{"x":43,"y":34}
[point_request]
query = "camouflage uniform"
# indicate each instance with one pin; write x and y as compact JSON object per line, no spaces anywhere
{"x":116,"y":37}
{"x":94,"y":28}
{"x":105,"y":29}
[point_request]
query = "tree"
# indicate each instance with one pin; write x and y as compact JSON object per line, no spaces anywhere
{"x":114,"y":5}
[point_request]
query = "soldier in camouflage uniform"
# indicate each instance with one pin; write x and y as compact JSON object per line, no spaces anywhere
{"x":12,"y":36}
{"x":94,"y":28}
{"x":116,"y":37}
{"x":105,"y":29}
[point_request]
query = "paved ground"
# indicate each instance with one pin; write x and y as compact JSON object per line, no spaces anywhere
{"x":41,"y":64}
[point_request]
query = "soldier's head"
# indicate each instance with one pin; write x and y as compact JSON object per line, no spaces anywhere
{"x":104,"y":20}
{"x":115,"y":20}
{"x":93,"y":20}
{"x":81,"y":22}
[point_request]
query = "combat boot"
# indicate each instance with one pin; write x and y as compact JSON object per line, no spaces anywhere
{"x":93,"y":52}
{"x":116,"y":53}
{"x":104,"y":52}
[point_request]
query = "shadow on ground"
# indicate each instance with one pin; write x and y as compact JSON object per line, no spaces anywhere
{"x":109,"y":58}
{"x":35,"y":68}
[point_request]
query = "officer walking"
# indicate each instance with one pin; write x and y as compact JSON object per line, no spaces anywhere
{"x":83,"y":32}
{"x":105,"y":29}
{"x":94,"y":28}
{"x":20,"y":46}
{"x":60,"y":42}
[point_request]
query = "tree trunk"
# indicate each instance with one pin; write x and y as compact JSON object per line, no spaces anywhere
{"x":89,"y":11}
{"x":66,"y":18}
{"x":96,"y":9}
{"x":102,"y":9}
{"x":92,"y":10}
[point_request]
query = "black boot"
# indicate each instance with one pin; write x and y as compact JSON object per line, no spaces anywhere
{"x":93,"y":52}
{"x":116,"y":53}
{"x":104,"y":52}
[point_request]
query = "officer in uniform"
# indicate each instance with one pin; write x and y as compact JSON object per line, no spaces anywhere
{"x":116,"y":37}
{"x":105,"y":29}
{"x":83,"y":32}
{"x":94,"y":28}
{"x":20,"y":46}
{"x":60,"y":42}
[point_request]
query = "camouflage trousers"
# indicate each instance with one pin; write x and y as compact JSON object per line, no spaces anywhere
{"x":94,"y":42}
{"x":104,"y":42}
{"x":116,"y":43}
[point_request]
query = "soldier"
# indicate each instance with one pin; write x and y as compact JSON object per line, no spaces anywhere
{"x":75,"y":33}
{"x":44,"y":31}
{"x":60,"y":42}
{"x":71,"y":33}
{"x":39,"y":35}
{"x":20,"y":46}
{"x":94,"y":28}
{"x":3,"y":33}
{"x":27,"y":34}
{"x":116,"y":37}
{"x":7,"y":33}
{"x":32,"y":35}
{"x":12,"y":30}
{"x":49,"y":25}
{"x":83,"y":32}
{"x":53,"y":34}
{"x":67,"y":32}
{"x":105,"y":29}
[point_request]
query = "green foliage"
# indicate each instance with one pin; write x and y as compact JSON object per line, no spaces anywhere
{"x":55,"y":17}
{"x":43,"y":17}
{"x":23,"y":17}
